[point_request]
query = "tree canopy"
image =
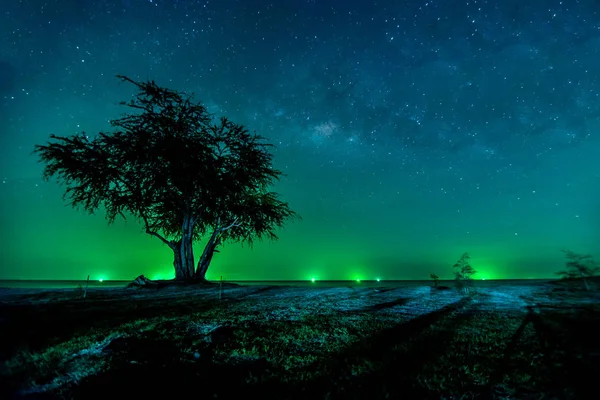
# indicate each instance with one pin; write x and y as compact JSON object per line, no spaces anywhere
{"x":579,"y":266}
{"x":175,"y":168}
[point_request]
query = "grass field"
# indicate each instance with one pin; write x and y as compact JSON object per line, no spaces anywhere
{"x":505,"y":342}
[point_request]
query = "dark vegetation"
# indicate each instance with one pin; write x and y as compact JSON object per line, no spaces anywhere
{"x":463,"y":273}
{"x":435,"y":279}
{"x":579,"y":267}
{"x":179,"y":172}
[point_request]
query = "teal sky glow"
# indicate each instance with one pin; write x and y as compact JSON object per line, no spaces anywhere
{"x":409,"y":132}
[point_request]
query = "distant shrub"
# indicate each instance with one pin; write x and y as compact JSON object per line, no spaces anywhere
{"x":579,"y":266}
{"x":79,"y":290}
{"x":462,"y":274}
{"x":435,"y":279}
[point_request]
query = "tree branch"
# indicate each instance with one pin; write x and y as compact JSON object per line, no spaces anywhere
{"x":152,"y":233}
{"x":233,"y":224}
{"x":127,"y":79}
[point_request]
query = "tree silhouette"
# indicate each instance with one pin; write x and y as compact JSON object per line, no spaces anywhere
{"x":435,"y":279}
{"x":175,"y":169}
{"x":463,"y":272}
{"x":579,"y":266}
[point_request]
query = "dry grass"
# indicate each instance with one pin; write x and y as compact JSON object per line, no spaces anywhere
{"x":285,"y":342}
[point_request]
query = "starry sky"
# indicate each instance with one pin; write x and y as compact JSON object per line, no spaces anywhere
{"x":410,"y":132}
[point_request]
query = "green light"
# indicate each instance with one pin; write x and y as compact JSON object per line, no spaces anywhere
{"x":358,"y":280}
{"x":100,"y":280}
{"x":378,"y":279}
{"x":313,"y":280}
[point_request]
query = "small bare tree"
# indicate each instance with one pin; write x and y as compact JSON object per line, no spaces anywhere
{"x":579,"y":266}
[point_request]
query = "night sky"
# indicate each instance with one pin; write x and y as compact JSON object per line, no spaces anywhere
{"x":409,"y":131}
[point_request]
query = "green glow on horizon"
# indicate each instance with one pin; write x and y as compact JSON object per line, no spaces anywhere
{"x":313,"y":280}
{"x":122,"y":252}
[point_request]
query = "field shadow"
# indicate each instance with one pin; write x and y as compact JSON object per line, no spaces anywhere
{"x":399,"y":352}
{"x":258,"y":291}
{"x":148,"y":366}
{"x":566,"y":341}
{"x":386,"y":305}
{"x":383,"y":290}
{"x":27,"y":327}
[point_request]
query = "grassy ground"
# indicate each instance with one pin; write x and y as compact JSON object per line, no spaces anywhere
{"x":283,"y":342}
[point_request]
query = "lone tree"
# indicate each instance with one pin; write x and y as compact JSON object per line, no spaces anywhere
{"x":463,"y":272}
{"x":579,"y":266}
{"x":173,"y":167}
{"x":434,"y":278}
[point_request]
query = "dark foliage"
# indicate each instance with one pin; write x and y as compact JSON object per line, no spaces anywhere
{"x":435,"y":279}
{"x":175,"y":168}
{"x":463,"y":272}
{"x":579,"y":266}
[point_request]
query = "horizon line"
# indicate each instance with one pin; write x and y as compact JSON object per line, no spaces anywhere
{"x":276,"y":280}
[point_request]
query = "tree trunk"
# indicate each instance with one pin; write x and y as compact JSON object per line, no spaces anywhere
{"x":184,"y":259}
{"x":207,"y":255}
{"x":184,"y":252}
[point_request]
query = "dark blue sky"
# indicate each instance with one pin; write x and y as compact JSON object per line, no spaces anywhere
{"x":410,"y":132}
